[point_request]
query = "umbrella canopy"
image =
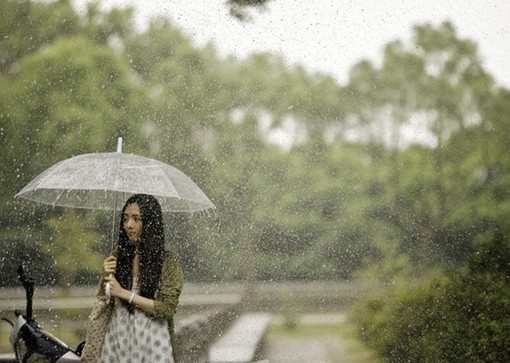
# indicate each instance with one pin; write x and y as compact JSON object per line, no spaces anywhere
{"x":107,"y":180}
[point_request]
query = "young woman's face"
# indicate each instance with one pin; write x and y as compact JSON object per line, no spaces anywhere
{"x":132,"y":221}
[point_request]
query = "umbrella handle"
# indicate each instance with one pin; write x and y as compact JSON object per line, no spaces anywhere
{"x":107,"y":290}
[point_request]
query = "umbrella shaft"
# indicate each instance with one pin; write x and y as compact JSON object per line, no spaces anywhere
{"x":113,"y":221}
{"x":119,"y":150}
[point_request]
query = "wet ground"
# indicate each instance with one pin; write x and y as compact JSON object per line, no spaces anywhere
{"x":322,"y":337}
{"x":314,"y":338}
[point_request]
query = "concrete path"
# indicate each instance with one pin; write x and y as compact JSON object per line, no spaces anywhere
{"x":240,"y":342}
{"x":292,"y":349}
{"x":291,"y":346}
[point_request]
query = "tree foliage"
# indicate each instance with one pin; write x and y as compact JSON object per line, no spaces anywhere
{"x":238,"y":8}
{"x":350,"y":192}
{"x":455,"y":317}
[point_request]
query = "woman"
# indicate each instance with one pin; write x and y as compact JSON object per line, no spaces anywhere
{"x":137,"y":326}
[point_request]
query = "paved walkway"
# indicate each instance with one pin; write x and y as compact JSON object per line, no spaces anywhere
{"x":292,"y":346}
{"x":287,"y":349}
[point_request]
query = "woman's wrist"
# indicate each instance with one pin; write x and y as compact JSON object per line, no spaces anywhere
{"x":125,"y":294}
{"x":131,"y":298}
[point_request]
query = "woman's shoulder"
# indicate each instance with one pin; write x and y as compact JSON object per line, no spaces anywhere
{"x":170,"y":257}
{"x":171,"y":261}
{"x":172,"y":274}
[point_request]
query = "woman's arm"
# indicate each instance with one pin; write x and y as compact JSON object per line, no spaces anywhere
{"x":139,"y":301}
{"x":170,"y":288}
{"x":165,"y":305}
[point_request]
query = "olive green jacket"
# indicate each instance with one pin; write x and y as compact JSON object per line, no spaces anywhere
{"x":165,"y":306}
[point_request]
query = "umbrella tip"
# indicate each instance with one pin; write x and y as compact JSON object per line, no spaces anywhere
{"x":119,"y":144}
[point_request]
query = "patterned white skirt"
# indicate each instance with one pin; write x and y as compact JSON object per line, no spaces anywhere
{"x":136,"y":338}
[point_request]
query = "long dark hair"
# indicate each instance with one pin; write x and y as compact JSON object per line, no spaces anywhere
{"x":151,"y":248}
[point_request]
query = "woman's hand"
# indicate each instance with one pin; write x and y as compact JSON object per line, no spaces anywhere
{"x":109,"y":265}
{"x":116,"y":289}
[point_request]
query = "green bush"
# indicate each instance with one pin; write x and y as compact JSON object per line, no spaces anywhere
{"x":459,"y":316}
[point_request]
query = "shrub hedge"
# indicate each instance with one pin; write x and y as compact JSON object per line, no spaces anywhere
{"x":457,"y":316}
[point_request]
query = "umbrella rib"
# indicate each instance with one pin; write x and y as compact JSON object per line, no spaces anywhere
{"x":56,"y":200}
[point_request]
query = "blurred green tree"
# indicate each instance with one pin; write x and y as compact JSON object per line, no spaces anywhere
{"x":73,"y":247}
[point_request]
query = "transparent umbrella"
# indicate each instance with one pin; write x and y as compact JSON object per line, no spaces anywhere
{"x":106,"y":180}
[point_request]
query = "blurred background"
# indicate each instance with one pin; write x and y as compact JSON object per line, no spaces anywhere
{"x":380,"y":197}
